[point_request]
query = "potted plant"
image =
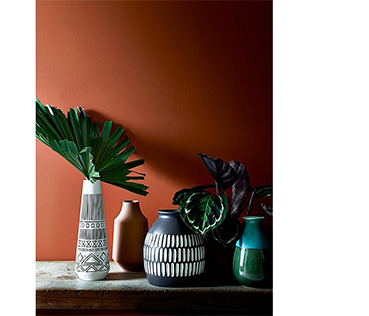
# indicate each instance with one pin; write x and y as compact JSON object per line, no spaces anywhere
{"x":99,"y":156}
{"x":253,"y":255}
{"x":216,"y":215}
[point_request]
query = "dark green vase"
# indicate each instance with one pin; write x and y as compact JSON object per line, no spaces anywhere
{"x":252,"y":260}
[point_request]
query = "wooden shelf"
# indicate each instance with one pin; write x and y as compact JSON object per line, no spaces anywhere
{"x":58,"y":287}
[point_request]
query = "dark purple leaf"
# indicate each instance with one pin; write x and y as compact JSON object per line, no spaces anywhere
{"x":267,"y":209}
{"x":222,"y":172}
{"x":263,"y":191}
{"x":239,"y":189}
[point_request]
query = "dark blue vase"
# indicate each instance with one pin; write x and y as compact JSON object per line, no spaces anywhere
{"x":174,"y":255}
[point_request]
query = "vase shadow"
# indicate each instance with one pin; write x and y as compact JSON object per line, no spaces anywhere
{"x":113,"y":276}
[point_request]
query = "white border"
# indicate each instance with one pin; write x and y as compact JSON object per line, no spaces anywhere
{"x":321,"y":161}
{"x":17,"y":75}
{"x":320,"y":156}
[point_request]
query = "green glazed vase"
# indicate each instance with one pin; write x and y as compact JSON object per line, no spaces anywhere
{"x":252,"y":260}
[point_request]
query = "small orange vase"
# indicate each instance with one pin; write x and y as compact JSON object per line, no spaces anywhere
{"x":130,"y":228}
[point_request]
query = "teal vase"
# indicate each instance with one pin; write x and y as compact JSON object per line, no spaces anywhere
{"x":252,"y":260}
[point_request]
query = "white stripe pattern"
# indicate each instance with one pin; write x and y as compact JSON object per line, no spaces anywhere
{"x":173,"y":241}
{"x":174,"y":255}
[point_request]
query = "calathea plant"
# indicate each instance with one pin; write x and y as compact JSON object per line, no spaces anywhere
{"x":97,"y":155}
{"x":218,"y":213}
{"x":261,"y":192}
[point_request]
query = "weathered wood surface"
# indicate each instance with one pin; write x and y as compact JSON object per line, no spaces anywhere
{"x":58,"y":287}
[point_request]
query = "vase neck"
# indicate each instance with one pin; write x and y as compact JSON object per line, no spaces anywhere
{"x":131,"y":210}
{"x":169,"y":214}
{"x":91,"y":188}
{"x":253,"y":221}
{"x":131,"y":205}
{"x":253,"y":236}
{"x":170,"y":223}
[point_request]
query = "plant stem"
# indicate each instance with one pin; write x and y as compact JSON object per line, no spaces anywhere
{"x":250,"y":203}
{"x":218,"y":188}
{"x":229,"y":201}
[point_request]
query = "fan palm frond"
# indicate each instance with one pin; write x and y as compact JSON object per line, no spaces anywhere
{"x":98,"y":156}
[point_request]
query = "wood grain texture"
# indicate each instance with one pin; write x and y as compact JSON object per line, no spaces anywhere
{"x":58,"y":287}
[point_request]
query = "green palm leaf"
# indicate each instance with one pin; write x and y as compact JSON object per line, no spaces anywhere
{"x":98,"y":156}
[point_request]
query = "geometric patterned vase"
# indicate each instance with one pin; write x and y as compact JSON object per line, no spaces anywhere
{"x":174,"y":256}
{"x":92,"y":257}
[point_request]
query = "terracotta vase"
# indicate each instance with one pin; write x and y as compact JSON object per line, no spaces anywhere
{"x":92,"y":257}
{"x":130,"y":228}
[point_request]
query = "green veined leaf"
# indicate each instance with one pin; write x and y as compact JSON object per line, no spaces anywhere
{"x":203,"y":212}
{"x":181,"y":196}
{"x":229,"y":232}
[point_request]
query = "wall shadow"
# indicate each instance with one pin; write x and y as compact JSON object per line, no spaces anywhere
{"x":174,"y":162}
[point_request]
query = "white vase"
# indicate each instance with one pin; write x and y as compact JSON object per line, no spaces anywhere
{"x":92,"y":257}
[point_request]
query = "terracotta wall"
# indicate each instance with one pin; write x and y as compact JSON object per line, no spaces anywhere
{"x":181,"y":77}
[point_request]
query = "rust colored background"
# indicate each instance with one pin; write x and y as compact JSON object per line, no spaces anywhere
{"x":180,"y":77}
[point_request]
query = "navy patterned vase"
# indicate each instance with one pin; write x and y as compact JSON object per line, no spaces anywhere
{"x":174,"y":255}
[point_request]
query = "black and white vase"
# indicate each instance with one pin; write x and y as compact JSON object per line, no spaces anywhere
{"x":174,"y":256}
{"x":92,"y":257}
